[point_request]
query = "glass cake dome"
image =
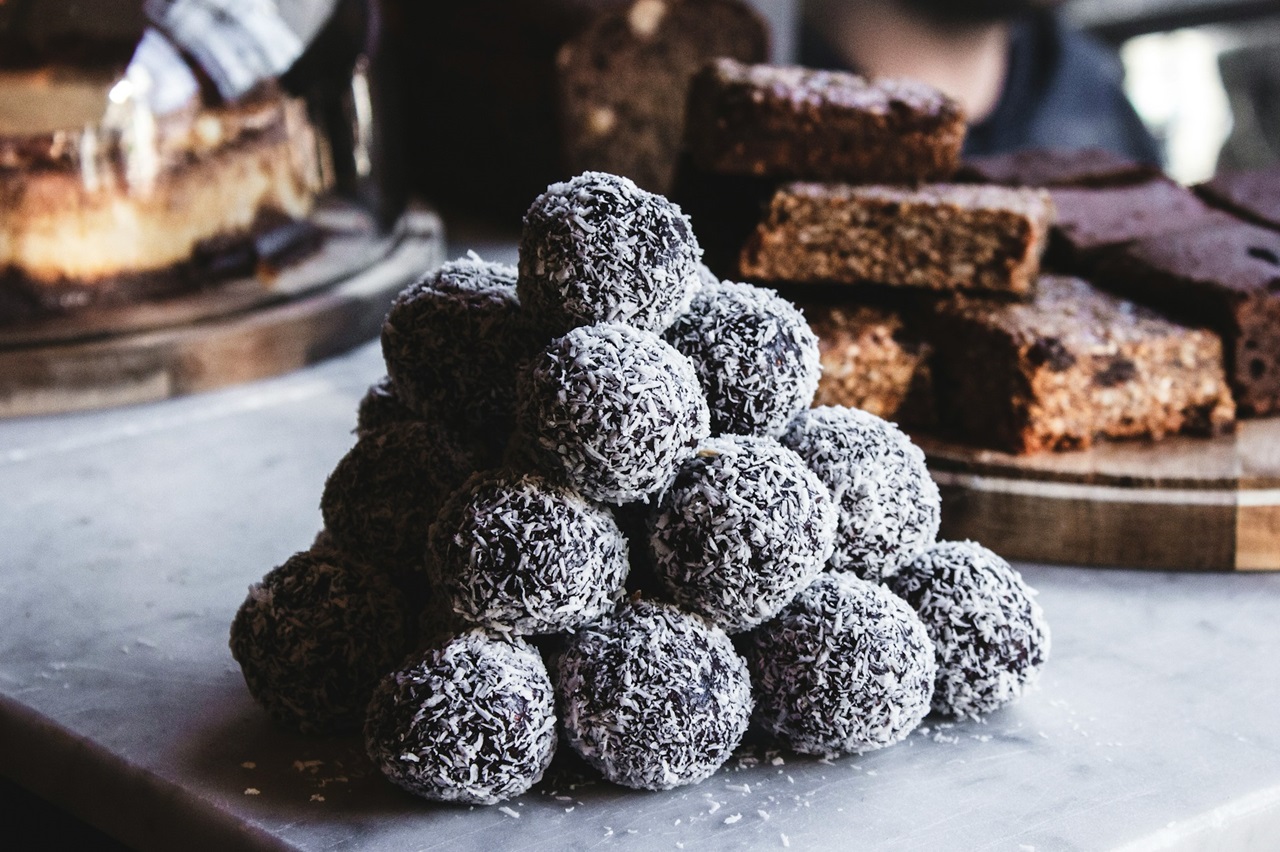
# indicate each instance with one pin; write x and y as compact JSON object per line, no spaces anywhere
{"x":155,"y":149}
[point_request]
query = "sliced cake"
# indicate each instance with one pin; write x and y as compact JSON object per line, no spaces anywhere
{"x":1072,"y":365}
{"x":939,"y":237}
{"x":790,"y":122}
{"x":1227,"y":278}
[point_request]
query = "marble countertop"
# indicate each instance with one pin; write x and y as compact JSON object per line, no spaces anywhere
{"x":129,"y":538}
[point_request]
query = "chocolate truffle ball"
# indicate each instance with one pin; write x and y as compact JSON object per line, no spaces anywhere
{"x":452,"y":342}
{"x":519,"y":553}
{"x":472,"y":721}
{"x":744,"y":526}
{"x":383,"y":495}
{"x":755,"y":355}
{"x":617,"y":409}
{"x":653,"y":697}
{"x":313,"y":638}
{"x":847,"y":667}
{"x":598,"y":248}
{"x":380,"y":406}
{"x":990,"y":634}
{"x":889,"y":506}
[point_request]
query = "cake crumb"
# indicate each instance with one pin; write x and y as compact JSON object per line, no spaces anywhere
{"x":248,"y":764}
{"x":316,"y":797}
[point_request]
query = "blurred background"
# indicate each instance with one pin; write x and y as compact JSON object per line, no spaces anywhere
{"x":1204,"y":76}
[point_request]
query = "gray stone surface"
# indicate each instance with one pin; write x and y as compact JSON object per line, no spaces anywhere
{"x":129,"y":537}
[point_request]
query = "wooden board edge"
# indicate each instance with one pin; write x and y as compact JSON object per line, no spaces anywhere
{"x":156,"y":365}
{"x":1258,"y":538}
{"x":1063,"y":523}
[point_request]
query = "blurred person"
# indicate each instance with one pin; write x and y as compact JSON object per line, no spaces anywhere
{"x":1023,"y":76}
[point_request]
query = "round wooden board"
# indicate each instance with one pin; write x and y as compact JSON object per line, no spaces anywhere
{"x":1182,"y":503}
{"x":213,"y":346}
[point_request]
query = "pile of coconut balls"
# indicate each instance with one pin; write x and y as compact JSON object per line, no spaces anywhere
{"x":590,"y":501}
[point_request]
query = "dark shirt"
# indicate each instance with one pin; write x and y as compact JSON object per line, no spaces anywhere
{"x":1063,"y":89}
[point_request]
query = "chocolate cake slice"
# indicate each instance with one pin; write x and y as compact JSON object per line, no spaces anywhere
{"x":1092,"y":219}
{"x":1227,"y":278}
{"x":621,"y":82}
{"x":790,"y":122}
{"x":1070,"y":366}
{"x":1252,"y":195}
{"x":1056,"y":167}
{"x":939,"y":237}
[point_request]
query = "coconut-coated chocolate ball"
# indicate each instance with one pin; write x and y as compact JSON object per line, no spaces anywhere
{"x":653,"y":697}
{"x":889,"y":506}
{"x":315,"y":635}
{"x":744,"y":526}
{"x":755,"y":355}
{"x":520,"y":553}
{"x":615,"y":409}
{"x":846,"y":667}
{"x":470,"y":721}
{"x":989,"y":631}
{"x":597,"y":248}
{"x":381,"y":498}
{"x":452,"y":342}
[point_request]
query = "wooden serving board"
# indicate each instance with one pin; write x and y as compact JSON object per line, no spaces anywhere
{"x":1182,"y":503}
{"x":218,"y":338}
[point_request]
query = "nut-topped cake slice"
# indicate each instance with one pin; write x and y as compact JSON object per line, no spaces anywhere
{"x":1072,"y":365}
{"x":939,"y":237}
{"x":1227,"y":278}
{"x":791,"y":122}
{"x":873,"y":361}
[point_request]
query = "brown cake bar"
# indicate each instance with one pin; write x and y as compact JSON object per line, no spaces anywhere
{"x":621,"y":82}
{"x":1227,"y":278}
{"x":1090,"y":220}
{"x":871,"y":361}
{"x":1252,"y":195}
{"x":1070,"y":366}
{"x":1056,"y":167}
{"x":941,"y":236}
{"x":790,"y":122}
